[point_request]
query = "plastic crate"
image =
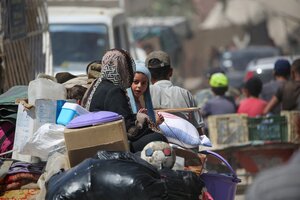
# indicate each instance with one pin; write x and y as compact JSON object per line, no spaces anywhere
{"x":272,"y":128}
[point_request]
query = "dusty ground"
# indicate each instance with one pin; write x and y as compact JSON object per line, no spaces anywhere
{"x":242,"y":187}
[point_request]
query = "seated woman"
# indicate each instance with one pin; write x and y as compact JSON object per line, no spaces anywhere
{"x":109,"y":94}
{"x":139,"y":94}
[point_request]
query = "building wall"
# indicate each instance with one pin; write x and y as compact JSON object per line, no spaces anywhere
{"x":198,"y":49}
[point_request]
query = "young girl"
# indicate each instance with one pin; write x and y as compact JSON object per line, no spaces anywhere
{"x":139,"y":94}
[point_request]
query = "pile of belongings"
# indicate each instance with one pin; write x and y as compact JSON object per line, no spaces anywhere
{"x":122,"y":175}
{"x":149,"y":174}
{"x":17,"y":174}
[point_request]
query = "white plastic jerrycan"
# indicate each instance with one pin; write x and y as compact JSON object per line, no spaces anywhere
{"x":44,"y":87}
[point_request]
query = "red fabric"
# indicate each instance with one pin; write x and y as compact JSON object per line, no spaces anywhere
{"x":7,"y":135}
{"x":252,"y":106}
{"x":16,"y":181}
{"x":22,"y":176}
{"x":206,"y":196}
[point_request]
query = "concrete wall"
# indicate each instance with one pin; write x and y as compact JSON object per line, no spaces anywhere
{"x":136,"y":6}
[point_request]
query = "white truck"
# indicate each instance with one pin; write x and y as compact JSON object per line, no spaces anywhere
{"x":82,"y":33}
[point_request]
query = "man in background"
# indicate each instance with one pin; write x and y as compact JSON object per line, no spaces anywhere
{"x":289,"y":94}
{"x":219,"y":103}
{"x":165,"y":95}
{"x":203,"y":95}
{"x":281,"y":72}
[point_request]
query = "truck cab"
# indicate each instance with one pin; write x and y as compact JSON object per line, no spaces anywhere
{"x":81,"y":34}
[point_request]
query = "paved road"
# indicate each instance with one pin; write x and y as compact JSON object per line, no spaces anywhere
{"x":239,"y":197}
{"x":242,"y":187}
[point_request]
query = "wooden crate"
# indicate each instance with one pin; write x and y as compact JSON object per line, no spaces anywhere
{"x":293,"y":125}
{"x":228,"y":129}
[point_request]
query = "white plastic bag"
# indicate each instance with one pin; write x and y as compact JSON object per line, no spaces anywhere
{"x":49,"y":138}
{"x":181,"y":132}
{"x":205,"y":141}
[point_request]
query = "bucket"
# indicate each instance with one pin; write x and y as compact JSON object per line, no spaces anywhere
{"x":220,"y":186}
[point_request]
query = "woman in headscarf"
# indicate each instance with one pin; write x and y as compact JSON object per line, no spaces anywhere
{"x":109,"y":94}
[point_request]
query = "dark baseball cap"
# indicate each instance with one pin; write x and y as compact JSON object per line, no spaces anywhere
{"x":162,"y":57}
{"x":282,"y":67}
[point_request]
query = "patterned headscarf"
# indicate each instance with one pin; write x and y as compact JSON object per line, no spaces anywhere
{"x":117,"y":67}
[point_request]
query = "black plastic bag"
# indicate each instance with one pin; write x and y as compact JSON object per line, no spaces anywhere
{"x":122,"y":155}
{"x":122,"y":175}
{"x":112,"y":175}
{"x":182,"y":185}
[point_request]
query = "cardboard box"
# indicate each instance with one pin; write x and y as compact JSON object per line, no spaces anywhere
{"x":84,"y":142}
{"x":228,"y":129}
{"x":29,"y":121}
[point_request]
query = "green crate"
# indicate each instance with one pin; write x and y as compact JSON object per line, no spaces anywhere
{"x":272,"y":128}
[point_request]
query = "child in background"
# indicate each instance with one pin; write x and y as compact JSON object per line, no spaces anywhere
{"x":76,"y":92}
{"x":252,"y":104}
{"x":139,"y":94}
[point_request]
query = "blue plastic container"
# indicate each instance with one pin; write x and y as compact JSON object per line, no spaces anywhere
{"x":69,"y":111}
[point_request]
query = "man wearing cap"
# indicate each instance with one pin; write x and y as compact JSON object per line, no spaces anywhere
{"x":219,"y":103}
{"x":289,"y":94}
{"x":281,"y":72}
{"x":164,"y":94}
{"x":203,"y":95}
